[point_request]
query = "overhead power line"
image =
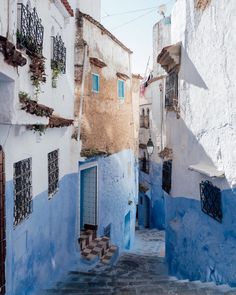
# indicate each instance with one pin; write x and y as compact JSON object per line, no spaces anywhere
{"x":129,"y":11}
{"x":132,"y":20}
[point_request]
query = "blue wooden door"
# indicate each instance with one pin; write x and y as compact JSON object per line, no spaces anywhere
{"x":88,"y":197}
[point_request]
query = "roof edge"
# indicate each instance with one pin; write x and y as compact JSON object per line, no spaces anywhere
{"x":102,"y":28}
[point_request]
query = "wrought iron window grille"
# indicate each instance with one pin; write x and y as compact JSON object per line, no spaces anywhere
{"x":29,"y":30}
{"x":166,"y":176}
{"x":22,"y":190}
{"x":58,"y":61}
{"x":53,"y":172}
{"x":171,"y":95}
{"x":211,"y":200}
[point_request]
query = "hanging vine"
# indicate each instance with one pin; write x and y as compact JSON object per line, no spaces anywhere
{"x":38,"y":75}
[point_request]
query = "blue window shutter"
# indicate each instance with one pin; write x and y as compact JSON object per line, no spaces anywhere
{"x":95,"y":83}
{"x":121,"y":89}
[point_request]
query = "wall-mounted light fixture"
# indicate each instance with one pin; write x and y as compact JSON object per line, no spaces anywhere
{"x":150,"y":147}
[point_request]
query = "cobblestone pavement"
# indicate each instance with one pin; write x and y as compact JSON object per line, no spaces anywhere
{"x":139,"y":272}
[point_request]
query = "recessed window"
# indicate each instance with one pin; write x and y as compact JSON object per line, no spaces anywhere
{"x":95,"y":83}
{"x":121,"y":89}
{"x":53,"y":172}
{"x":166,"y":176}
{"x":211,"y":200}
{"x":22,"y":190}
{"x":171,"y":97}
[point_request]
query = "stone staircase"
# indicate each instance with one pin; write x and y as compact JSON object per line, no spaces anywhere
{"x":133,"y":275}
{"x":93,"y":248}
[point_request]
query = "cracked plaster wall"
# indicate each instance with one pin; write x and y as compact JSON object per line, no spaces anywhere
{"x":108,"y":123}
{"x":206,"y":130}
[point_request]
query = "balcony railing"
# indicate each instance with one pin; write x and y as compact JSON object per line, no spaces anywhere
{"x":29,"y":30}
{"x":58,"y":54}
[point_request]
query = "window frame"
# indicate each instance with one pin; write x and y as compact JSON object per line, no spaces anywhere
{"x":27,"y":187}
{"x":52,"y":193}
{"x":98,"y":76}
{"x":118,"y":89}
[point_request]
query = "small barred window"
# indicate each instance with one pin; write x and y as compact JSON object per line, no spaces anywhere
{"x":53,"y":172}
{"x":22,"y":190}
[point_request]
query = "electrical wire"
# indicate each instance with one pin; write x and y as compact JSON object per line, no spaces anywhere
{"x":134,"y":19}
{"x":133,"y":11}
{"x":129,"y":11}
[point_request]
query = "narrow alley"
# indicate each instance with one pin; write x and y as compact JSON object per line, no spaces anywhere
{"x":141,"y":271}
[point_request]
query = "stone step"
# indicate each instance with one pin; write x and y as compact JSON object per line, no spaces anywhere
{"x":110,"y":255}
{"x":86,"y":237}
{"x":96,"y":248}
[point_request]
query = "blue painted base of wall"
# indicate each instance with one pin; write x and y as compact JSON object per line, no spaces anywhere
{"x":117,"y":185}
{"x":156,"y":194}
{"x":197,"y":246}
{"x":43,"y":247}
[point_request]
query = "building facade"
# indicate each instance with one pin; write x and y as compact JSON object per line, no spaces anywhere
{"x":200,"y":132}
{"x":39,"y":187}
{"x":104,"y":111}
{"x":152,"y":126}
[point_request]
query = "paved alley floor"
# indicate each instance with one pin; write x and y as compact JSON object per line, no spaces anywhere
{"x":141,"y":271}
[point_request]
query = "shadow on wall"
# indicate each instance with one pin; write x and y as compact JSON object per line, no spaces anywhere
{"x":197,"y":246}
{"x":191,"y":76}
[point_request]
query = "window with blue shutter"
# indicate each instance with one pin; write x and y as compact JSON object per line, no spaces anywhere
{"x":95,"y":83}
{"x":121,"y":89}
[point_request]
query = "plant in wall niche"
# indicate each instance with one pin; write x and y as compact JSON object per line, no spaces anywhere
{"x":24,"y":96}
{"x":38,"y":75}
{"x":38,"y":128}
{"x":57,"y":69}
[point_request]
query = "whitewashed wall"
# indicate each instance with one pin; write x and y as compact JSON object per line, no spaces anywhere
{"x":109,"y":51}
{"x":91,"y":7}
{"x":18,"y":142}
{"x":206,"y":131}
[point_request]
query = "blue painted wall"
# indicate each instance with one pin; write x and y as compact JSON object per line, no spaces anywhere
{"x":153,"y":181}
{"x":197,"y":246}
{"x":117,"y":184}
{"x":43,"y":247}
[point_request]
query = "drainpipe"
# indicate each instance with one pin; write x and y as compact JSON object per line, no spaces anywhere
{"x":81,"y":100}
{"x":161,"y":108}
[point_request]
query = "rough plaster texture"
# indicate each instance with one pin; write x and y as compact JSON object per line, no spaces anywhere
{"x":43,"y":247}
{"x":197,"y":246}
{"x":204,"y":252}
{"x":60,"y":98}
{"x":161,"y":38}
{"x":153,"y":100}
{"x":107,"y":122}
{"x":156,"y":195}
{"x":206,"y":130}
{"x":117,"y":187}
{"x":91,"y":7}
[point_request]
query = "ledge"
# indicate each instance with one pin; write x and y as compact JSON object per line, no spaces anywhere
{"x":207,"y":170}
{"x":169,"y":58}
{"x":56,"y":121}
{"x":97,"y":62}
{"x":33,"y":108}
{"x":122,"y":76}
{"x":79,"y":15}
{"x":12,"y":56}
